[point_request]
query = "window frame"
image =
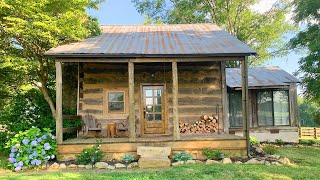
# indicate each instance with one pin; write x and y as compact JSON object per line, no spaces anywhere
{"x":124,"y":102}
{"x":272,"y":102}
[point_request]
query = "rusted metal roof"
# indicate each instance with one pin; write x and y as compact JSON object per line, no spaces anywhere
{"x":260,"y":77}
{"x":183,"y":40}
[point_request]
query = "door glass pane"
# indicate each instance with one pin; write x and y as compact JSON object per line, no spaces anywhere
{"x":265,"y":115}
{"x":149,"y":101}
{"x":148,"y":92}
{"x":150,"y":117}
{"x":157,"y":116}
{"x":149,"y":108}
{"x":157,"y":92}
{"x":157,"y":108}
{"x":235,"y":109}
{"x":281,"y":107}
{"x":157,"y":100}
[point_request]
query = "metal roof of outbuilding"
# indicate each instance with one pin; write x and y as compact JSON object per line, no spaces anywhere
{"x":180,"y":40}
{"x":260,"y":77}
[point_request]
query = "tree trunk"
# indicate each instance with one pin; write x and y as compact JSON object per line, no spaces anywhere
{"x":47,"y":97}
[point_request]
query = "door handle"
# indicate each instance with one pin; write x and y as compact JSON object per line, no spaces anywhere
{"x":144,"y":113}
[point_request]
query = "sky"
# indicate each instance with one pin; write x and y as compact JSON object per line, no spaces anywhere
{"x":123,"y":12}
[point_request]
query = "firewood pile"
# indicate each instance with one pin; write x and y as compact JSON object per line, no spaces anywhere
{"x":206,"y":124}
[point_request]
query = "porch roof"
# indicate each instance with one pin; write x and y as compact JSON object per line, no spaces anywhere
{"x":179,"y":40}
{"x":270,"y":76}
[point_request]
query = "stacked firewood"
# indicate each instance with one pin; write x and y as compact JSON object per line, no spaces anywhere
{"x":206,"y":124}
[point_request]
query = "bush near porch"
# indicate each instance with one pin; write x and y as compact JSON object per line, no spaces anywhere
{"x":307,"y":164}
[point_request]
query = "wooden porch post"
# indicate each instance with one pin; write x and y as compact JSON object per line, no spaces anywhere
{"x":225,"y":102}
{"x":245,"y":103}
{"x":59,"y":103}
{"x":132,"y":119}
{"x":176,"y":131}
{"x":293,"y":104}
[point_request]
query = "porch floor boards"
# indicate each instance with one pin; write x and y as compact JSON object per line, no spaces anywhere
{"x":156,"y":138}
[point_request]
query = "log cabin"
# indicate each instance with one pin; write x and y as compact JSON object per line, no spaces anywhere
{"x":165,"y":83}
{"x":272,"y":103}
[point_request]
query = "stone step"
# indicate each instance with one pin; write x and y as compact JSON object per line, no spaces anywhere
{"x":153,"y":157}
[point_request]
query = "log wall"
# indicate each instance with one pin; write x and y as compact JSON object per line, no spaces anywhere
{"x":198,"y":94}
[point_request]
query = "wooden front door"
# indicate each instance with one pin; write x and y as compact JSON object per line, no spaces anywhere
{"x":153,"y":109}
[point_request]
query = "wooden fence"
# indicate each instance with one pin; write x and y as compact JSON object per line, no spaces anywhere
{"x":309,"y":133}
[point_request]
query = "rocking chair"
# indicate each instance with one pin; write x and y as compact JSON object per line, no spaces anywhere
{"x":90,"y":125}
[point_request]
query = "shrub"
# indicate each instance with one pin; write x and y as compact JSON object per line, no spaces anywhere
{"x":308,"y":142}
{"x":213,"y":154}
{"x":31,"y":148}
{"x":279,"y":142}
{"x":91,"y":155}
{"x":128,"y":158}
{"x":269,"y":149}
{"x":182,"y":156}
{"x":253,"y":141}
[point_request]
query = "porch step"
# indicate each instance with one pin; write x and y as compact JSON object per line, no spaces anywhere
{"x":153,"y":157}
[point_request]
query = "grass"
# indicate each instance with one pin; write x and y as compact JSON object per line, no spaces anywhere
{"x":307,"y":166}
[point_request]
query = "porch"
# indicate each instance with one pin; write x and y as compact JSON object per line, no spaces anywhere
{"x":115,"y":148}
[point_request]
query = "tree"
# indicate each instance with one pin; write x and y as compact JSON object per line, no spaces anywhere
{"x":29,"y":28}
{"x":307,"y":11}
{"x":261,"y":31}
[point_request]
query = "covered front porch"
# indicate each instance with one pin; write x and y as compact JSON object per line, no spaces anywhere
{"x":199,"y":88}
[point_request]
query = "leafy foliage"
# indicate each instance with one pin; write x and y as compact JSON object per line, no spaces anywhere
{"x":27,"y":109}
{"x":308,"y":142}
{"x":182,"y":156}
{"x":31,"y":148}
{"x":29,"y":28}
{"x":308,"y":112}
{"x":269,"y":149}
{"x":279,"y":142}
{"x":307,"y":11}
{"x":253,"y":141}
{"x":90,"y":155}
{"x":213,"y":154}
{"x":261,"y":31}
{"x":128,"y":158}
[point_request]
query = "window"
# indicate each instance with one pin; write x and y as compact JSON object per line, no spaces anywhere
{"x":235,"y":109}
{"x":115,"y":102}
{"x":273,"y":108}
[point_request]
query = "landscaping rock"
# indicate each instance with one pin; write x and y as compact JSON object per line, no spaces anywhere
{"x":238,"y":162}
{"x":133,"y":165}
{"x":274,"y":156}
{"x":81,"y":166}
{"x":209,"y":161}
{"x":62,"y":166}
{"x":89,"y":166}
{"x":267,"y":163}
{"x":119,"y":165}
{"x":190,"y":162}
{"x":111,"y":167}
{"x":226,"y":161}
{"x":177,"y":163}
{"x":199,"y":162}
{"x":284,"y":161}
{"x":259,"y":150}
{"x":255,"y":161}
{"x":154,"y":162}
{"x":101,"y":165}
{"x":276,"y":163}
{"x":72,"y":166}
{"x":44,"y":166}
{"x":54,"y":166}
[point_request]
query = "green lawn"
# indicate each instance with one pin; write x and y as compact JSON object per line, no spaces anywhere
{"x":307,"y":167}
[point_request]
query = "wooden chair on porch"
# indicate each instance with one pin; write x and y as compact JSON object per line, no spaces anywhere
{"x":90,"y":124}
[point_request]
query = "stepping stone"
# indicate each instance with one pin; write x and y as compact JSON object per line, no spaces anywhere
{"x":154,"y":157}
